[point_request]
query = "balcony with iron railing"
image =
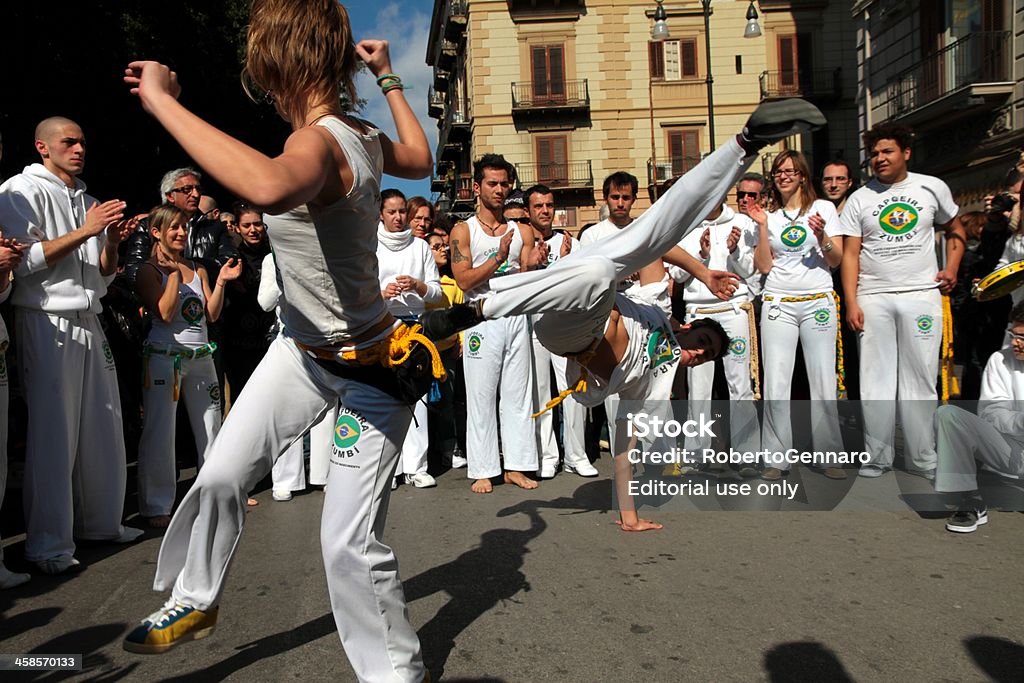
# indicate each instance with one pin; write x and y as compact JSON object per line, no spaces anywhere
{"x":552,"y":94}
{"x":811,"y":84}
{"x":558,"y":175}
{"x":455,"y":19}
{"x":435,"y":103}
{"x":976,"y":70}
{"x":660,"y":175}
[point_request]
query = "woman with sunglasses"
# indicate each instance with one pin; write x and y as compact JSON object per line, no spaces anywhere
{"x":797,"y":246}
{"x":420,"y":214}
{"x":321,"y":195}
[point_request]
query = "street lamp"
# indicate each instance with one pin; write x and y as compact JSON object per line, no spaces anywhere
{"x":753,"y":29}
{"x":659,"y":32}
{"x":706,"y":4}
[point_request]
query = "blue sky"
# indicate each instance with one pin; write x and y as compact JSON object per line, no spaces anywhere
{"x":405,"y":24}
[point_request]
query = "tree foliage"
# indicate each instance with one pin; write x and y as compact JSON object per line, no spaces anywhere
{"x":67,"y":59}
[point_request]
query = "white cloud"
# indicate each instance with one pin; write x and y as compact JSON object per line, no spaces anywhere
{"x":406,"y":31}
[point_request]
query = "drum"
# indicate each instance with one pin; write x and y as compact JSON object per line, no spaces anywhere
{"x":999,"y":282}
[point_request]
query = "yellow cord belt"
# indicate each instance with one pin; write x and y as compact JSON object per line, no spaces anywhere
{"x":755,"y":354}
{"x":389,"y":352}
{"x":840,"y":362}
{"x":580,"y":386}
{"x":950,"y":385}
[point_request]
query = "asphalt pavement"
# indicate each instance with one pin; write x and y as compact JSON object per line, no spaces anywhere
{"x":530,"y":586}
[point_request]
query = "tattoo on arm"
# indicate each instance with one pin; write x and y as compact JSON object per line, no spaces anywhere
{"x":457,"y":255}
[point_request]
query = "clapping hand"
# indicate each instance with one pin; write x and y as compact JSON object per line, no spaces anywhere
{"x":231,"y":270}
{"x":733,"y":239}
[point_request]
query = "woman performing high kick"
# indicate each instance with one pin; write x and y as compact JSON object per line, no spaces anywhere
{"x":340,"y":343}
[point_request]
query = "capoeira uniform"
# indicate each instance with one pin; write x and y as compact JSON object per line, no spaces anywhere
{"x":75,"y":459}
{"x":399,"y":253}
{"x":332,"y":306}
{"x":799,"y":305}
{"x":903,"y":323}
{"x":496,"y":361}
{"x":576,"y":294}
{"x":736,"y":316}
{"x":574,"y":414}
{"x":178,"y":364}
{"x":995,"y":436}
{"x":8,"y":579}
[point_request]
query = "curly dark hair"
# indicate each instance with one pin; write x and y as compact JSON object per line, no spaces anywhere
{"x":903,"y":135}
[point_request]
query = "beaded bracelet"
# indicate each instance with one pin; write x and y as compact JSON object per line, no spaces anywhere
{"x":383,"y":77}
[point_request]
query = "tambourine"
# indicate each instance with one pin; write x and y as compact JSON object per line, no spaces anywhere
{"x":999,"y":282}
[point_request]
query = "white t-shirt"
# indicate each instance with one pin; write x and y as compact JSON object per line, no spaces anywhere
{"x":896,"y":224}
{"x":799,"y":265}
{"x":599,"y":231}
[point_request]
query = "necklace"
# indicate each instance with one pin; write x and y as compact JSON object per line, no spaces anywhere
{"x":490,"y":228}
{"x":791,"y":219}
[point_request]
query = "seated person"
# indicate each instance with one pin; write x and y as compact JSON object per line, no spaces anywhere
{"x":995,"y":436}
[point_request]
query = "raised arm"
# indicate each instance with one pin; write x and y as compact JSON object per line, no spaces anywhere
{"x":410,"y":157}
{"x":160,"y":298}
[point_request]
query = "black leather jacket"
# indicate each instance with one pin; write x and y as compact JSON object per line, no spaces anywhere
{"x":209,"y":242}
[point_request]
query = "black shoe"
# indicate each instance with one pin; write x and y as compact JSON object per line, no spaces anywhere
{"x":778,"y":119}
{"x":442,"y":323}
{"x":966,"y":521}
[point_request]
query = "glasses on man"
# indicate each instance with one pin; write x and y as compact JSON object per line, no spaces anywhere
{"x":521,"y":219}
{"x":741,"y":195}
{"x":188,"y":189}
{"x":786,"y":172}
{"x":1019,"y":338}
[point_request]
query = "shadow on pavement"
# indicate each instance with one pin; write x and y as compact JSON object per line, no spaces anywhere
{"x":89,"y":642}
{"x":477,"y":581}
{"x":1002,"y":660}
{"x":804,"y":662}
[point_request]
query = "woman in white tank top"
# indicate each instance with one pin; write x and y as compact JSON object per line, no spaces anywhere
{"x":178,"y":360}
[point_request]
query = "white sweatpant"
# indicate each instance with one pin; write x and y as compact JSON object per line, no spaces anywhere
{"x":815,"y":324}
{"x":574,"y":288}
{"x":961,"y":439}
{"x":289,"y":472}
{"x":74,"y":461}
{"x":285,"y":396}
{"x":497,"y":362}
{"x":899,"y":359}
{"x":321,"y":441}
{"x":158,"y":475}
{"x":574,"y":415}
{"x":743,"y":423}
{"x":413,"y":459}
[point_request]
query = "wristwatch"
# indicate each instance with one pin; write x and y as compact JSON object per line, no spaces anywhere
{"x":827,"y":247}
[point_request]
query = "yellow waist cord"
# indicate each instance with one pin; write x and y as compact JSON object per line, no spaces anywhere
{"x":580,"y":385}
{"x":950,"y":385}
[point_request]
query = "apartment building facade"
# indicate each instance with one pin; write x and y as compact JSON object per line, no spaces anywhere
{"x":571,"y":91}
{"x":952,"y":70}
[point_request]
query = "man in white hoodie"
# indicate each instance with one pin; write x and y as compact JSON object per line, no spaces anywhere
{"x":75,"y":458}
{"x":724,"y":241}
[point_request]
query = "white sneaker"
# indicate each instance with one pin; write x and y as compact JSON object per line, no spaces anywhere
{"x":57,"y":565}
{"x":282,"y":495}
{"x":394,"y":482}
{"x":129,"y":534}
{"x":582,"y":468}
{"x":420,"y":480}
{"x":458,"y":462}
{"x":9,"y":579}
{"x":546,"y":473}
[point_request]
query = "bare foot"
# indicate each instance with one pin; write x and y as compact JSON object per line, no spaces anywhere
{"x":251,"y":502}
{"x":158,"y":522}
{"x":520,"y":480}
{"x":482,"y":486}
{"x":638,"y":525}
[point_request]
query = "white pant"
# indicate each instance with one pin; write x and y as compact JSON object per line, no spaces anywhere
{"x":743,"y":422}
{"x":574,"y":288}
{"x":963,"y":437}
{"x":496,"y":360}
{"x":158,"y":475}
{"x":815,"y":324}
{"x":285,"y":396}
{"x":321,"y":442}
{"x":574,"y":415}
{"x":413,"y":459}
{"x":899,"y":359}
{"x":289,"y":472}
{"x":74,"y":460}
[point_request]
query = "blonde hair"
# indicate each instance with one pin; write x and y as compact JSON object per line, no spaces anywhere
{"x":302,"y":52}
{"x":163,"y":217}
{"x":806,"y":188}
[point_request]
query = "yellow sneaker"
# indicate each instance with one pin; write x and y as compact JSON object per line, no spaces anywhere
{"x":172,"y":624}
{"x":673,"y":469}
